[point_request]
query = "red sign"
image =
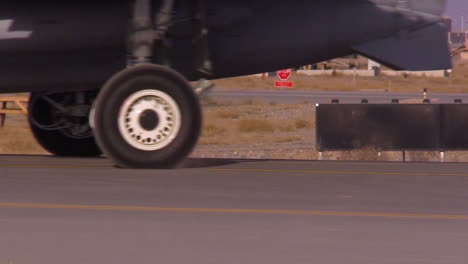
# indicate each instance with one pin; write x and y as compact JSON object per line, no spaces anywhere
{"x":284,"y":84}
{"x":284,"y":75}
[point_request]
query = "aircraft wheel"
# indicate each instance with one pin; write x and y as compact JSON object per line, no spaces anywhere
{"x":147,"y":116}
{"x":59,"y":134}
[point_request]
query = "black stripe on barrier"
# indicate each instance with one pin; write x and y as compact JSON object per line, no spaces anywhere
{"x":392,"y":127}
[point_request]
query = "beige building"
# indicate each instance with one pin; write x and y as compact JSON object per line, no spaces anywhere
{"x":461,"y":53}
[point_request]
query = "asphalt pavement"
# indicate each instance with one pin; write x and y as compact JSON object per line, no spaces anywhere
{"x":57,"y":210}
{"x":322,"y":97}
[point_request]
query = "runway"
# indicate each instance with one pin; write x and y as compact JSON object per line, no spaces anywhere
{"x":56,"y":210}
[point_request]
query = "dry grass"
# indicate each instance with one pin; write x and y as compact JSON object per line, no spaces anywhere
{"x":287,"y":139}
{"x":16,"y":140}
{"x":256,"y":125}
{"x":458,"y":82}
{"x":212,"y":130}
{"x":255,"y":121}
{"x":301,"y":124}
{"x":227,"y":114}
{"x":286,"y":127}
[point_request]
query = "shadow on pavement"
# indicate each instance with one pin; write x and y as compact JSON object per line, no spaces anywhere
{"x":191,"y":163}
{"x":196,"y":163}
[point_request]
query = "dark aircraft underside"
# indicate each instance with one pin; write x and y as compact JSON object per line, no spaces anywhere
{"x":57,"y":48}
{"x":82,"y":43}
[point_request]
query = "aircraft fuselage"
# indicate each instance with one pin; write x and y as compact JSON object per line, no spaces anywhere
{"x":58,"y":45}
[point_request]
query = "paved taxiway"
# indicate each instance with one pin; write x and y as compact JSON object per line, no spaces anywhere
{"x":322,"y":97}
{"x":232,"y":211}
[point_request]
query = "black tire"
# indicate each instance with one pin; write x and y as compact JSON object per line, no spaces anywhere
{"x":133,"y":80}
{"x":54,"y":141}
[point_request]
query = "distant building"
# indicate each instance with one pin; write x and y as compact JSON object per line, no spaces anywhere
{"x":460,"y":53}
{"x":457,"y":39}
{"x":372,"y":65}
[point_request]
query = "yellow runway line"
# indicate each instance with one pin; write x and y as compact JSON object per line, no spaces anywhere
{"x":230,"y":211}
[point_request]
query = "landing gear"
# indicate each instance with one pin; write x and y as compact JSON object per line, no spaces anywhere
{"x":147,"y":116}
{"x":59,"y":122}
{"x":149,"y":41}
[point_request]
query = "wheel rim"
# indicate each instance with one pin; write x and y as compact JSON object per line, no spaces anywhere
{"x":149,"y":120}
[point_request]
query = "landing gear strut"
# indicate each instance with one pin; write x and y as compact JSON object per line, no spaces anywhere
{"x":147,"y":116}
{"x":149,"y":41}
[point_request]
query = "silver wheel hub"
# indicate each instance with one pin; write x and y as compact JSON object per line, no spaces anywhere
{"x":149,"y":120}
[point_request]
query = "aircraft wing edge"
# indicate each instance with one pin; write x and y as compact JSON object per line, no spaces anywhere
{"x":422,"y":50}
